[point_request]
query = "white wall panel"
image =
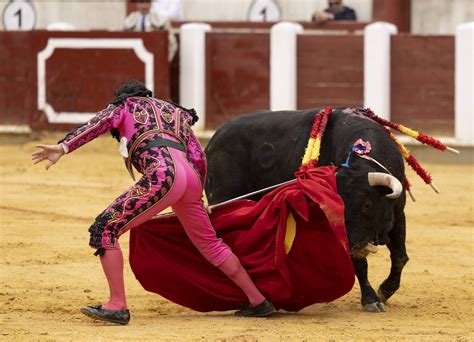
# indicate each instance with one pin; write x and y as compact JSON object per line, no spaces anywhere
{"x":440,"y":16}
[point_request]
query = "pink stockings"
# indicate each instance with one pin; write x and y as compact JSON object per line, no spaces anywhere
{"x":112,"y":264}
{"x":234,"y":270}
{"x":185,"y":199}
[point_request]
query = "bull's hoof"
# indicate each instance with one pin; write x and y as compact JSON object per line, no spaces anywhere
{"x":374,"y":307}
{"x":381,"y":295}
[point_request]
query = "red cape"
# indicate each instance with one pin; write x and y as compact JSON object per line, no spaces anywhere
{"x":318,"y":268}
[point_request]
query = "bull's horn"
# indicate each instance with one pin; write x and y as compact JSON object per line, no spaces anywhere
{"x":384,"y":179}
{"x":371,"y":248}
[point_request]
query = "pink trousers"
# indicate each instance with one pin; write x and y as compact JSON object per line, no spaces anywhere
{"x":170,"y":181}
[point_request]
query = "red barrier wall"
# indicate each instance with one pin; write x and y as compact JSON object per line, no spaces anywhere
{"x":16,"y":78}
{"x":237,"y":75}
{"x":330,"y":71}
{"x":76,"y":80}
{"x":397,"y":12}
{"x":422,"y":82}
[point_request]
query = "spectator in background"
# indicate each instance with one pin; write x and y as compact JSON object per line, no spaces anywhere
{"x":171,"y":9}
{"x":143,"y":19}
{"x":335,"y":11}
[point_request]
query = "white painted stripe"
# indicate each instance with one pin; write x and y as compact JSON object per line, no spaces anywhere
{"x":16,"y":129}
{"x":87,"y":43}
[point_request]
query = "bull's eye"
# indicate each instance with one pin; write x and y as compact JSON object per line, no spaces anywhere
{"x":367,"y":206}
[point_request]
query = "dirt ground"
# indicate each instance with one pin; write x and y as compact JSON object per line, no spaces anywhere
{"x":48,"y":271}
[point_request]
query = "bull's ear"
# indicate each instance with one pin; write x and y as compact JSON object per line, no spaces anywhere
{"x":348,"y":180}
{"x":342,"y":170}
{"x":341,"y":173}
{"x":349,"y":171}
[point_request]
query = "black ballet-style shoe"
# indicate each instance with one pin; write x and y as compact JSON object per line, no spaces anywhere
{"x":263,"y":309}
{"x":115,"y":316}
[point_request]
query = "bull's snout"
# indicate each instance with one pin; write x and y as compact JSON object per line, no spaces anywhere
{"x":362,"y":252}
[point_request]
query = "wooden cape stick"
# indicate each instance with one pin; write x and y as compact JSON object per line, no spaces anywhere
{"x":172,"y":214}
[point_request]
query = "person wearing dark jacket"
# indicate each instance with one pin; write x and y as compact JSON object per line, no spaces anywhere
{"x":335,"y":11}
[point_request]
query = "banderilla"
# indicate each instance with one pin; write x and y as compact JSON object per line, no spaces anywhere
{"x":211,"y":207}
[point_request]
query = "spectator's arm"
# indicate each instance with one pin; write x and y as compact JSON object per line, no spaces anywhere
{"x":322,"y":17}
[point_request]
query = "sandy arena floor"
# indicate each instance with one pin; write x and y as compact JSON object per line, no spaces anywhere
{"x":48,"y":271}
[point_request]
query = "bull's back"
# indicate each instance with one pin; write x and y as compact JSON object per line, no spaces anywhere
{"x":261,"y":149}
{"x":255,"y":151}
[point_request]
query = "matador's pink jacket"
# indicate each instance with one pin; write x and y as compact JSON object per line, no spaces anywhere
{"x":141,"y":120}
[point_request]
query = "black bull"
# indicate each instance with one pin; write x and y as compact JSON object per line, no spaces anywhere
{"x":261,"y":149}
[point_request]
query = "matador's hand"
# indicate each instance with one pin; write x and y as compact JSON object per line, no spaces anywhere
{"x":52,"y":153}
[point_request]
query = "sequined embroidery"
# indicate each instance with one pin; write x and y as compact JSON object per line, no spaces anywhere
{"x":140,"y":117}
{"x":156,"y":182}
{"x":168,"y":117}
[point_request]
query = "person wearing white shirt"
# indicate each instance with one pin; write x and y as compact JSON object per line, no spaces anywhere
{"x":172,"y":9}
{"x":145,"y":20}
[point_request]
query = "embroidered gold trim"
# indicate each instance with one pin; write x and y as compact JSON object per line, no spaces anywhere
{"x":159,"y":130}
{"x":123,"y":230}
{"x":140,"y":117}
{"x":178,"y":121}
{"x":136,"y":191}
{"x":90,"y":128}
{"x":158,"y":121}
{"x":168,"y":117}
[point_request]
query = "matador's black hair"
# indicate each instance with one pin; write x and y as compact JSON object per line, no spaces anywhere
{"x":129,"y":89}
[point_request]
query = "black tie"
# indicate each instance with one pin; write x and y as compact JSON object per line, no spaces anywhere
{"x":143,"y":23}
